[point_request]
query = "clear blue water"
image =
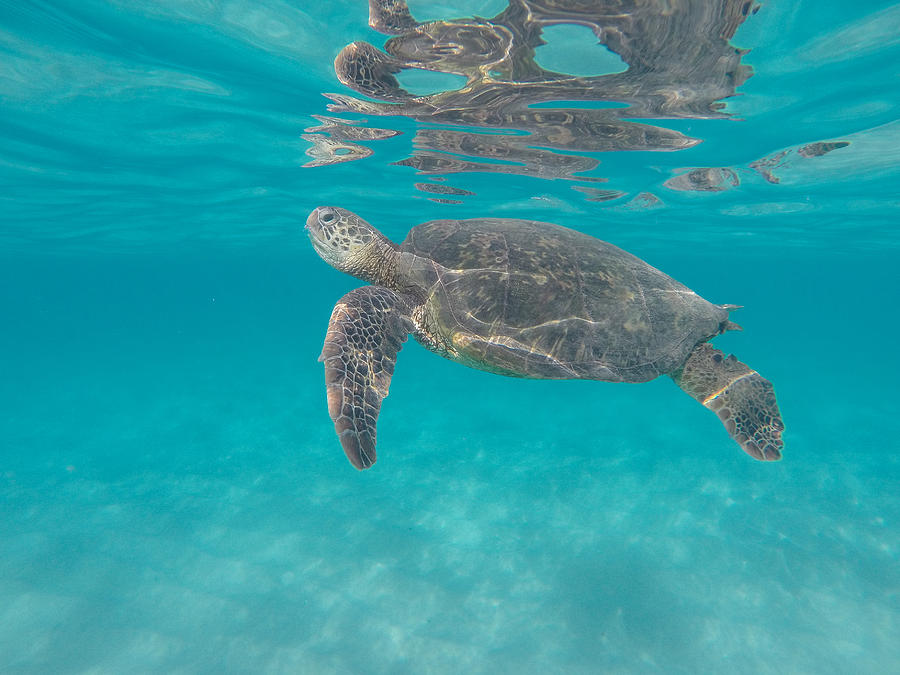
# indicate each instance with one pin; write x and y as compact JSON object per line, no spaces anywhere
{"x":173,"y":499}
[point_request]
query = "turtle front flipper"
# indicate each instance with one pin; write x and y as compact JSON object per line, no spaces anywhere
{"x":368,"y":327}
{"x":742,"y":398}
{"x":369,"y":71}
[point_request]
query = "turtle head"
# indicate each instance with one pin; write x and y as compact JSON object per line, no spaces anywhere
{"x":348,"y":243}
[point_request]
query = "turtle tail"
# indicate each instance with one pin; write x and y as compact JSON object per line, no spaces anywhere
{"x":727,"y":324}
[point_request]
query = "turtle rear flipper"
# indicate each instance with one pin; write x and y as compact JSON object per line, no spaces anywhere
{"x":367,"y":329}
{"x":742,"y":398}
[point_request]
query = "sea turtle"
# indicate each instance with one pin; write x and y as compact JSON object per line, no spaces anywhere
{"x":525,"y":299}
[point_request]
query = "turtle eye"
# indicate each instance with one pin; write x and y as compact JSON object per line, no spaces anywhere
{"x":327,"y":216}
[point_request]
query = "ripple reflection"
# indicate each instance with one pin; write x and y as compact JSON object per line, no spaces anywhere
{"x":680,"y":65}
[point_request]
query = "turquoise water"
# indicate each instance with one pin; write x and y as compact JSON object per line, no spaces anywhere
{"x":174,"y":498}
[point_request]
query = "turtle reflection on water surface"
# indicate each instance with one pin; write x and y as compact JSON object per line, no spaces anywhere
{"x":524,"y":299}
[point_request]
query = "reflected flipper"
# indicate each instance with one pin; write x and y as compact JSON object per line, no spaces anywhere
{"x":742,"y":398}
{"x":390,"y":16}
{"x":367,"y":329}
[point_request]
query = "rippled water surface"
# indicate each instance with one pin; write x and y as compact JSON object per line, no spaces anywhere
{"x":174,"y":498}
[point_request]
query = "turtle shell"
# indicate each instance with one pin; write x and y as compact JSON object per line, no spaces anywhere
{"x":535,"y":299}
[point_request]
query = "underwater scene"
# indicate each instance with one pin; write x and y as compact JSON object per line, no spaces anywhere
{"x":625,"y":211}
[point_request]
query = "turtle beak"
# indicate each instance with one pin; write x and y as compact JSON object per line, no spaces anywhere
{"x":311,"y":221}
{"x":314,"y":231}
